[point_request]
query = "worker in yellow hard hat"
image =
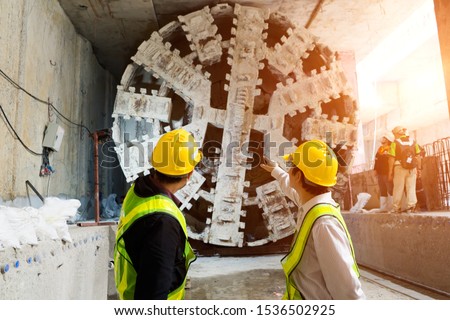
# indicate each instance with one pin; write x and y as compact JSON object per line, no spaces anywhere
{"x":381,"y":169}
{"x":321,"y":262}
{"x":152,"y":253}
{"x":404,"y":169}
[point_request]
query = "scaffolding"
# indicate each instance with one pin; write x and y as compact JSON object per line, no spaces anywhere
{"x":436,"y":172}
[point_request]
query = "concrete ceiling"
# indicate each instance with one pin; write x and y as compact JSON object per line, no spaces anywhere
{"x":117,"y":27}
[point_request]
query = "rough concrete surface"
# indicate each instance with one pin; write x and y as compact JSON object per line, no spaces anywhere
{"x":41,"y":51}
{"x":261,"y":278}
{"x":414,"y":247}
{"x":58,"y":270}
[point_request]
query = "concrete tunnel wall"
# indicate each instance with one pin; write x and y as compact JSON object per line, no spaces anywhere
{"x":42,"y":52}
{"x":56,"y":270}
{"x":414,"y":247}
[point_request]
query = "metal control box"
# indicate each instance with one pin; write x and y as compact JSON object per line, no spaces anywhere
{"x":53,"y":137}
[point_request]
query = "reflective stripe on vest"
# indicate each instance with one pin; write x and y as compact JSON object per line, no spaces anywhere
{"x":134,"y":208}
{"x":292,"y":259}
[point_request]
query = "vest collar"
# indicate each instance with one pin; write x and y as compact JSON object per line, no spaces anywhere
{"x":147,"y":186}
{"x":321,"y":198}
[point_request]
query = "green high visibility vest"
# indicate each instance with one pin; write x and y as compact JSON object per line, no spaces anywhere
{"x":292,"y":259}
{"x":133,"y":208}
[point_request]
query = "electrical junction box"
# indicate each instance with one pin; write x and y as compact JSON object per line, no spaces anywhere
{"x":53,"y":137}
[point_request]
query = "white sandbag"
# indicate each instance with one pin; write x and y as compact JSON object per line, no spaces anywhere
{"x":21,"y":223}
{"x":65,"y":208}
{"x":363,"y":198}
{"x":44,"y":231}
{"x":56,"y":212}
{"x":8,"y":237}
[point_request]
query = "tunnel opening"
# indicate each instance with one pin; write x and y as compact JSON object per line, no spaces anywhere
{"x":179,"y":115}
{"x":218,"y":71}
{"x":277,"y":29}
{"x":255,"y":227}
{"x":256,"y":175}
{"x":144,"y":80}
{"x":269,"y":78}
{"x":292,"y":129}
{"x":177,"y":38}
{"x":223,"y":19}
{"x":201,"y":209}
{"x":211,"y":149}
{"x":341,"y":107}
{"x":268,"y":86}
{"x":314,"y":62}
{"x":261,"y":103}
{"x":197,"y":215}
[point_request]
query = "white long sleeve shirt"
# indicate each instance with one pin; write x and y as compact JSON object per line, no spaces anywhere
{"x":325,"y":271}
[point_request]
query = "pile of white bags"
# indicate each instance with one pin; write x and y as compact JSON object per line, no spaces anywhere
{"x":363,"y":198}
{"x":28,"y":225}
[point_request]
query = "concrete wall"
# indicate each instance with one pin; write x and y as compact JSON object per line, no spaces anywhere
{"x":41,"y":51}
{"x":59,"y":270}
{"x":402,"y":83}
{"x":414,"y":247}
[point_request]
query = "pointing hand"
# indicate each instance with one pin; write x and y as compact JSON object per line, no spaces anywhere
{"x":269,"y":165}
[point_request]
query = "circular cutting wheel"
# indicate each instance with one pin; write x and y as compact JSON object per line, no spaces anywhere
{"x":246,"y":83}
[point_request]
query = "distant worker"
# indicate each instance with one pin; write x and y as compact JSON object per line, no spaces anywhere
{"x":404,"y":162}
{"x":321,"y":263}
{"x":152,"y":253}
{"x":381,"y":168}
{"x":420,"y":191}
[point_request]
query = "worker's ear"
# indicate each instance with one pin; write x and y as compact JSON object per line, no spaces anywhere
{"x":190,"y":175}
{"x":297,"y":174}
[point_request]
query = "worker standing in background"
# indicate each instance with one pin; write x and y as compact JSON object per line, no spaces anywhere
{"x":404,"y":163}
{"x":321,"y":263}
{"x":381,"y":167}
{"x":152,"y":253}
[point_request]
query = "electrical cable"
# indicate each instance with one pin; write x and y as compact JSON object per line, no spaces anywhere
{"x":70,"y":121}
{"x":48,"y":183}
{"x":46,"y":168}
{"x":17,"y":136}
{"x":11,"y":81}
{"x":17,"y":86}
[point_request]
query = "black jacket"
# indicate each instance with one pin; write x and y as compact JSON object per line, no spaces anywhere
{"x":382,"y":161}
{"x":155,"y":244}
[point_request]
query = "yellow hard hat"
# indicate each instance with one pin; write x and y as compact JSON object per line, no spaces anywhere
{"x":317,"y":161}
{"x":176,"y":153}
{"x":398,"y":129}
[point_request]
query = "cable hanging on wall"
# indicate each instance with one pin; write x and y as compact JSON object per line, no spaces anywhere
{"x":17,"y":86}
{"x":46,"y":169}
{"x":11,"y":128}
